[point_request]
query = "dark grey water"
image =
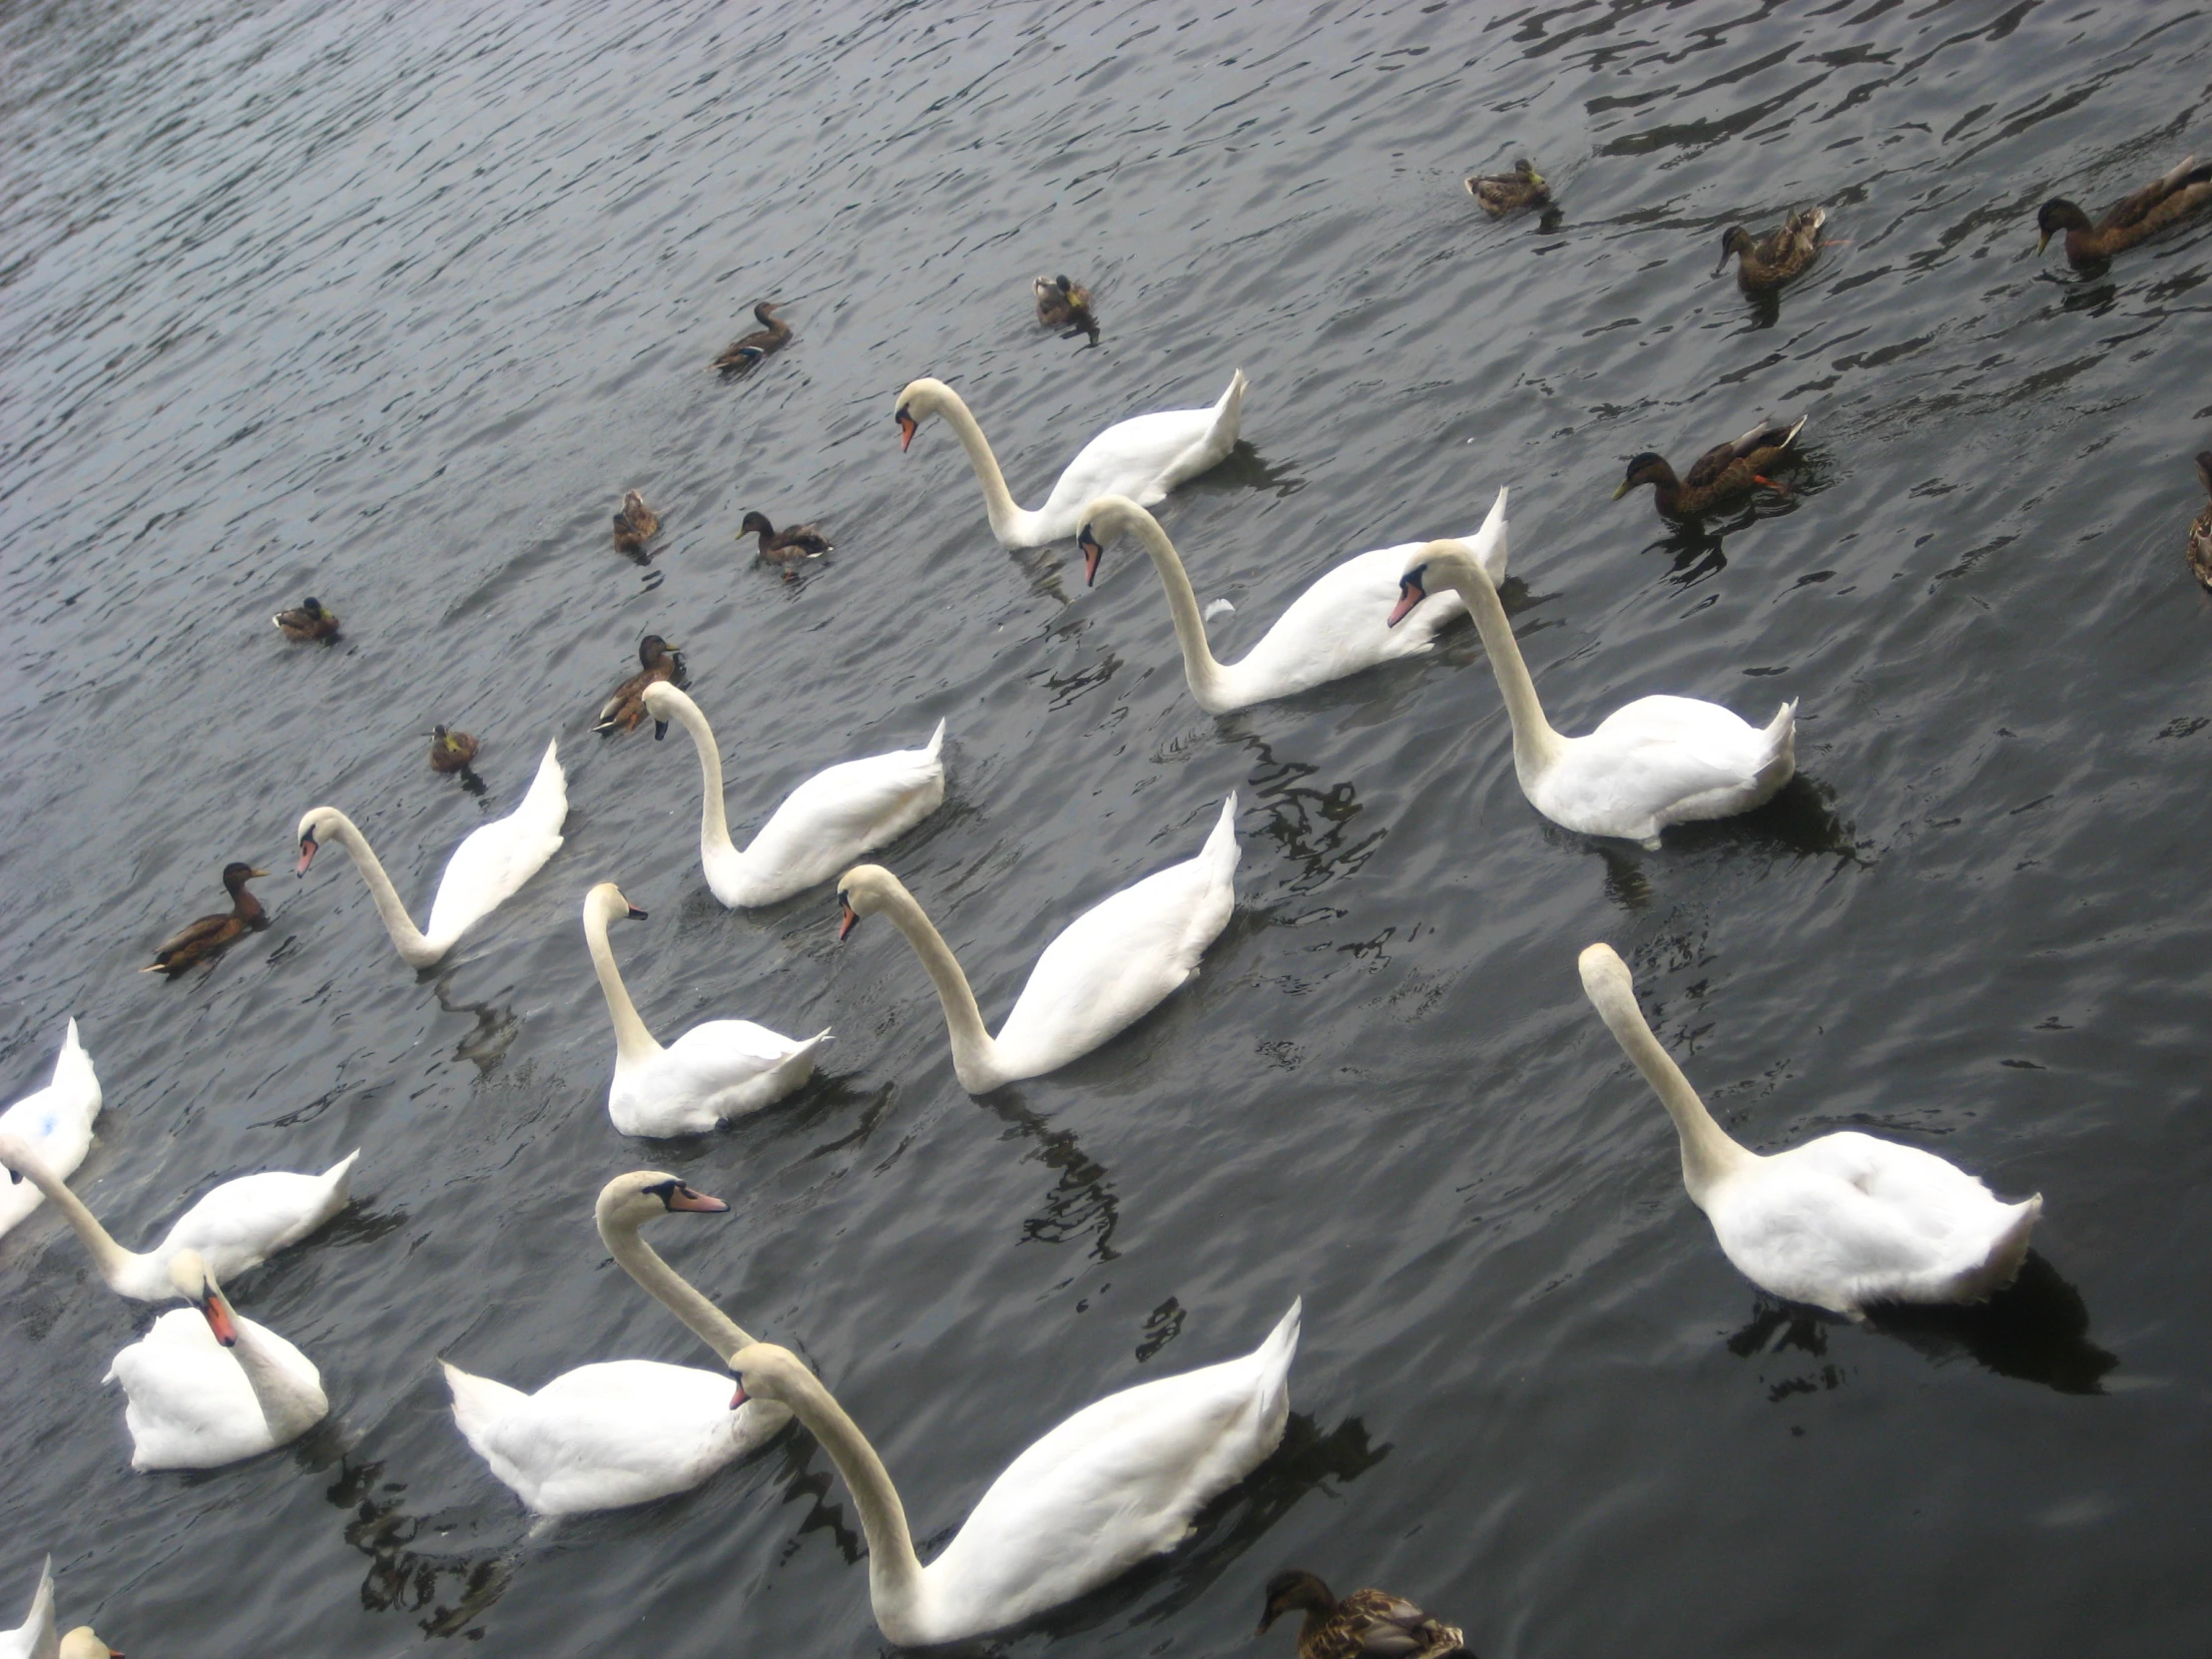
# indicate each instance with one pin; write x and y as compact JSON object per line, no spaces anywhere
{"x":389,"y":305}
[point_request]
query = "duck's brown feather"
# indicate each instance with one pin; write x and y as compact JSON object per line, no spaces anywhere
{"x":747,"y":349}
{"x":625,"y":710}
{"x":206,"y":938}
{"x":2200,"y":533}
{"x":1783,"y":255}
{"x":2135,"y":218}
{"x":1499,"y":194}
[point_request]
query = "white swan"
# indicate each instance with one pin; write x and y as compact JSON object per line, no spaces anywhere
{"x":236,"y":1226}
{"x":712,"y":1073}
{"x":1335,"y":628}
{"x":34,"y":1638}
{"x":207,"y":1386}
{"x":54,"y":1122}
{"x":1109,"y":967}
{"x":1651,"y":762}
{"x":1142,"y":458}
{"x":832,"y":818}
{"x":483,"y":873}
{"x":1115,"y":1484}
{"x":1842,"y":1221}
{"x":622,"y":1431}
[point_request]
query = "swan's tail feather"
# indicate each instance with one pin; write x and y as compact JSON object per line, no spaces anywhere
{"x":934,"y":748}
{"x":1487,"y":546}
{"x":1228,"y":417}
{"x":1221,"y":849}
{"x":341,"y":1177}
{"x":41,"y":1622}
{"x":547,"y":802}
{"x":479,"y":1402}
{"x":1272,"y":1359}
{"x":1778,"y":752}
{"x":2002,"y":1264}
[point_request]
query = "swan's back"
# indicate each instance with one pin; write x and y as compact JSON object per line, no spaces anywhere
{"x":493,"y":861}
{"x":189,"y":1404}
{"x":1665,"y":760}
{"x":839,"y":813}
{"x":55,"y":1121}
{"x":244,"y":1221}
{"x":1146,"y":456}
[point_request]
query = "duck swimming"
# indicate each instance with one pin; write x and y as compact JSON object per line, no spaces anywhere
{"x":2200,"y":533}
{"x":450,"y":751}
{"x":1065,"y":306}
{"x":2130,"y":219}
{"x":206,"y":939}
{"x":1499,"y":194}
{"x":657,"y":661}
{"x":310,"y":622}
{"x":1781,"y":255}
{"x":635,"y":525}
{"x":1723,"y":474}
{"x":785,"y":547}
{"x":772,"y":335}
{"x":1367,"y":1624}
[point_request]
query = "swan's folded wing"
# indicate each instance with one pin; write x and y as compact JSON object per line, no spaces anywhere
{"x":244,"y":1221}
{"x":844,"y":810}
{"x":493,"y":863}
{"x":1133,"y":458}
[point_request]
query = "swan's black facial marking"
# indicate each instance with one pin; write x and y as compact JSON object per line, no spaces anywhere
{"x":1410,"y":593}
{"x":847,"y":917}
{"x":636,"y":915}
{"x":678,"y":1195}
{"x":307,"y":845}
{"x":737,"y":1399}
{"x":906,"y":426}
{"x":1092,"y":554}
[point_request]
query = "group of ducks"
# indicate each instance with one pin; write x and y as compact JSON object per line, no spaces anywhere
{"x":1842,"y":1222}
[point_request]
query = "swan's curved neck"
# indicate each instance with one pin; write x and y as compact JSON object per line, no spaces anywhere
{"x":974,"y":1053}
{"x":1010,"y":522}
{"x":1537,"y":747}
{"x":1708,"y":1151}
{"x":894,"y":1573}
{"x":672,"y":1289}
{"x":287,"y":1410}
{"x":631,"y":1040}
{"x":1200,"y":667}
{"x":714,"y":822}
{"x":407,"y":937}
{"x":116,"y":1267}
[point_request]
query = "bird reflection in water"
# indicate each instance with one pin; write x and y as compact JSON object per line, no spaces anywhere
{"x":1245,"y":468}
{"x":1313,"y":828}
{"x":401,"y":1578}
{"x":1082,"y":1203}
{"x":487,"y":1042}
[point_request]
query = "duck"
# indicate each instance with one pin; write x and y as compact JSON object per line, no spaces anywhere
{"x":1723,"y":474}
{"x":486,"y":870}
{"x":1065,"y":306}
{"x":2200,"y":533}
{"x":832,"y":818}
{"x":209,"y":937}
{"x":1499,"y":194}
{"x":1107,"y":970}
{"x":237,"y":1225}
{"x":635,"y":525}
{"x":1143,"y":458}
{"x":34,"y":1638}
{"x":714,"y":1072}
{"x":55,"y":1123}
{"x":744,"y":353}
{"x":1781,"y":255}
{"x":310,"y":622}
{"x":621,"y":1432}
{"x":1651,"y":762}
{"x":658,"y":662}
{"x":450,"y":751}
{"x":1114,"y":1484}
{"x":2132,"y":218}
{"x":205,"y":1386}
{"x":1335,"y":628}
{"x":785,"y":547}
{"x":1841,"y":1222}
{"x":1367,"y":1624}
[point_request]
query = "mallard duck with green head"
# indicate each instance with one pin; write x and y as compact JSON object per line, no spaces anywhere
{"x":209,"y":937}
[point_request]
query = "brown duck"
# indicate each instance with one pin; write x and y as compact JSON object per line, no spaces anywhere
{"x":310,"y":622}
{"x":1723,"y":474}
{"x":1501,"y":194}
{"x":2200,"y":533}
{"x":656,"y":660}
{"x":1065,"y":306}
{"x":2131,"y":220}
{"x":772,"y":335}
{"x":210,"y":937}
{"x":1367,"y":1624}
{"x":450,"y":751}
{"x":1779,"y":256}
{"x":635,"y":525}
{"x":788,"y":546}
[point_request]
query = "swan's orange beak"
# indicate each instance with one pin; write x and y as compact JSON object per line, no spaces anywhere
{"x":218,"y":1319}
{"x":1409,"y":593}
{"x":847,"y":917}
{"x":905,"y":430}
{"x":1092,"y":553}
{"x":306,"y":852}
{"x":690,"y":1198}
{"x":737,"y":1399}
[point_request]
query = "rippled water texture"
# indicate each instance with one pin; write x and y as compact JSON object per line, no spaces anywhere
{"x":388,"y":305}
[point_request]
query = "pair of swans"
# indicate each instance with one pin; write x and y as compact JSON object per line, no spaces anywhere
{"x":237,"y":1226}
{"x":35,"y":1637}
{"x":1108,"y":969}
{"x":1841,"y":1222}
{"x":1142,"y":458}
{"x":712,"y":1073}
{"x":485,"y":870}
{"x":1651,"y":762}
{"x":1335,"y":628}
{"x":55,"y":1123}
{"x":832,"y":818}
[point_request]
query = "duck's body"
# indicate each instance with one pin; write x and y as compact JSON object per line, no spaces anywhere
{"x":1065,"y":306}
{"x":55,"y":1123}
{"x":1107,"y":970}
{"x":745,"y":351}
{"x":485,"y":870}
{"x":2157,"y":206}
{"x":1841,"y":1222}
{"x":1725,"y":473}
{"x":792,"y":545}
{"x":635,"y":525}
{"x":832,"y":818}
{"x":1783,"y":255}
{"x":1499,"y":194}
{"x":1114,"y":1484}
{"x":658,"y":663}
{"x":450,"y":751}
{"x":209,"y":937}
{"x":1336,"y":627}
{"x":308,"y":622}
{"x":1651,"y":762}
{"x":1367,"y":1624}
{"x":2200,"y":533}
{"x":1142,"y":458}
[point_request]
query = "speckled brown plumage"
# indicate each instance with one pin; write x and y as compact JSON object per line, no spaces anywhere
{"x":2133,"y":219}
{"x":1501,"y":194}
{"x":1065,"y":306}
{"x":635,"y":525}
{"x":747,"y":349}
{"x":1367,"y":1624}
{"x":785,"y":547}
{"x":2200,"y":533}
{"x":308,"y":622}
{"x":207,"y":938}
{"x":450,"y":751}
{"x":656,"y":660}
{"x":1724,"y":473}
{"x":1781,"y":255}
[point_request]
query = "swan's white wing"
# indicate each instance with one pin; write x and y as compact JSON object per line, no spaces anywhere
{"x":242,"y":1223}
{"x":35,"y":1637}
{"x":492,"y":862}
{"x":1340,"y":626}
{"x":840,"y":812}
{"x":712,"y":1073}
{"x":57,"y":1120}
{"x":1646,"y":759}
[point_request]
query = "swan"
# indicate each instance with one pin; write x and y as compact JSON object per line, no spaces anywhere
{"x":34,"y":1638}
{"x":714,"y":1072}
{"x":1109,"y":967}
{"x":1842,"y":1221}
{"x":207,"y":1386}
{"x":832,"y":818}
{"x":54,"y":1122}
{"x":483,"y":873}
{"x":236,"y":1226}
{"x":1142,"y":458}
{"x":1115,"y":1484}
{"x":623,"y":1431}
{"x":1335,"y":628}
{"x":1651,"y":762}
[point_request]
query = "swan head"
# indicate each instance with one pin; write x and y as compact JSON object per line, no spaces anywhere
{"x":922,"y":399}
{"x":1646,"y":468}
{"x":665,"y":702}
{"x":84,"y":1643}
{"x":1733,"y":240}
{"x":765,"y":1372}
{"x":861,"y":891}
{"x":1604,"y":973}
{"x":630,"y":1200}
{"x":1295,"y":1591}
{"x":1436,"y":564}
{"x":317,"y":823}
{"x":605,"y":903}
{"x":192,"y":1279}
{"x":1103,"y":523}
